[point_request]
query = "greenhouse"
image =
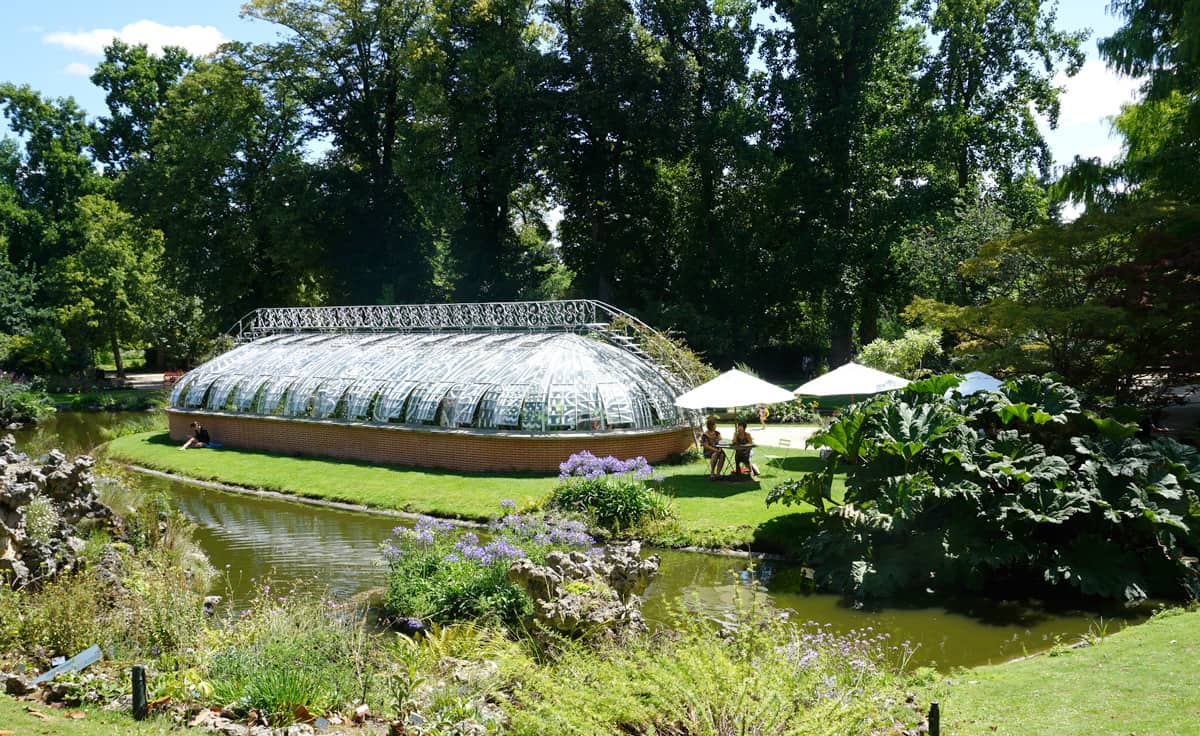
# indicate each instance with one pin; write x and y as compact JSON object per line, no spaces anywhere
{"x":512,"y":372}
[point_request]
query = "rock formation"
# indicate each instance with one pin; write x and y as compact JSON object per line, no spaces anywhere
{"x":43,"y":508}
{"x":588,"y":595}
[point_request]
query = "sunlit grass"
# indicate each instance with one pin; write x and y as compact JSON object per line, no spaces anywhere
{"x":1142,"y":680}
{"x":709,"y":513}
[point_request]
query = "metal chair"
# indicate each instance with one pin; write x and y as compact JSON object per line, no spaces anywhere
{"x":777,"y":460}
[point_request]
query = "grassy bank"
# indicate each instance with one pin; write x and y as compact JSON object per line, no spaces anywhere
{"x":710,"y":514}
{"x":1140,"y":681}
{"x":16,"y":718}
{"x":116,"y":399}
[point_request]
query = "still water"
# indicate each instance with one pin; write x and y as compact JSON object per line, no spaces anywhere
{"x":254,"y":540}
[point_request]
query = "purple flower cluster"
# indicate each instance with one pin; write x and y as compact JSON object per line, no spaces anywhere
{"x":468,"y":549}
{"x":586,"y":465}
{"x":855,"y":651}
{"x":544,"y":532}
{"x":425,"y":533}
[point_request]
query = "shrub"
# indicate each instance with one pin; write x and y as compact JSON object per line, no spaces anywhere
{"x":796,"y":411}
{"x":22,"y":401}
{"x":1007,"y":492}
{"x":906,"y":356}
{"x":436,"y":573}
{"x":66,"y":615}
{"x":616,"y":494}
{"x":41,"y":519}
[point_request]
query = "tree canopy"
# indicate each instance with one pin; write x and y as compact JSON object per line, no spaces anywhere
{"x":768,"y":191}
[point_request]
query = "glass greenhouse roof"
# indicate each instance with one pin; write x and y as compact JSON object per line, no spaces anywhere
{"x":521,"y":381}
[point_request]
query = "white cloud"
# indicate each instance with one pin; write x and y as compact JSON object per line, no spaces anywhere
{"x":198,"y":40}
{"x":76,"y":69}
{"x":1094,"y":94}
{"x":1088,"y":100}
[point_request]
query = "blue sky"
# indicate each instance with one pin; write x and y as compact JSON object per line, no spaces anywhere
{"x":53,"y":45}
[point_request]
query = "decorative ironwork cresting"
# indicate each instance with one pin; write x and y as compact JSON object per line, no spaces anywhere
{"x":571,"y":315}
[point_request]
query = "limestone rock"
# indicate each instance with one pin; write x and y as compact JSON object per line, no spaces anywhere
{"x":17,"y":685}
{"x":586,"y":595}
{"x":70,"y":487}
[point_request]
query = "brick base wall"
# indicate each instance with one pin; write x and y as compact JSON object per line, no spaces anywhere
{"x":432,"y":448}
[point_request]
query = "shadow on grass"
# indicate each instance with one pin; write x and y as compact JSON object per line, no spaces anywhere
{"x":700,"y":485}
{"x":165,"y":439}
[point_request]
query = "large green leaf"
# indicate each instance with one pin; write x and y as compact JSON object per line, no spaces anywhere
{"x":904,"y":430}
{"x":1043,"y":505}
{"x":844,"y":436}
{"x":1111,"y":428}
{"x":1050,"y":398}
{"x":934,"y":385}
{"x":813,"y":489}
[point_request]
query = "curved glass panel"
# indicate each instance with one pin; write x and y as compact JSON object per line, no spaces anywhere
{"x":529,"y":381}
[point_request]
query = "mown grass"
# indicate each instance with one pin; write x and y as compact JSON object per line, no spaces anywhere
{"x":16,"y":718}
{"x":1142,"y":680}
{"x":714,"y":514}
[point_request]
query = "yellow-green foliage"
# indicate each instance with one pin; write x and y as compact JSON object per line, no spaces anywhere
{"x":153,"y":607}
{"x":290,"y":652}
{"x":762,"y":677}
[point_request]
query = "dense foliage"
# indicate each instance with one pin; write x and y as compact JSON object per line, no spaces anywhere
{"x":21,"y":401}
{"x":754,"y":674}
{"x":617,"y":495}
{"x":678,"y":159}
{"x":1020,"y":491}
{"x":437,"y":573}
{"x":1108,"y":300}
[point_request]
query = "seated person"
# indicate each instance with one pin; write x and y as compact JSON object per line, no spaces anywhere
{"x":708,"y":445}
{"x":743,"y":444}
{"x":200,"y":437}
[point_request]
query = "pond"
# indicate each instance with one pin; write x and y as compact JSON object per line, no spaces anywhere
{"x":253,"y":539}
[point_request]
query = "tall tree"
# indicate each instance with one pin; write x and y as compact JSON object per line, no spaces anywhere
{"x":135,"y":83}
{"x":483,"y":110}
{"x":710,"y":201}
{"x":228,"y":186}
{"x":351,"y":63}
{"x":991,"y":70}
{"x":611,"y":130}
{"x":50,"y":174}
{"x":106,"y":286}
{"x":842,"y":81}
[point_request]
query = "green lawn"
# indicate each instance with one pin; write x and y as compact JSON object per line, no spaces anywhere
{"x":131,"y":399}
{"x":710,"y":514}
{"x":15,"y":718}
{"x":1141,"y":681}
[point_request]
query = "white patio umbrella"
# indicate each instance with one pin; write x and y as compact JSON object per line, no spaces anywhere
{"x":732,"y":389}
{"x":977,"y":381}
{"x":851,"y":379}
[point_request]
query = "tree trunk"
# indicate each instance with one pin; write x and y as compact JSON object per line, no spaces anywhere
{"x":841,"y":323}
{"x":868,"y":318}
{"x":116,"y":348}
